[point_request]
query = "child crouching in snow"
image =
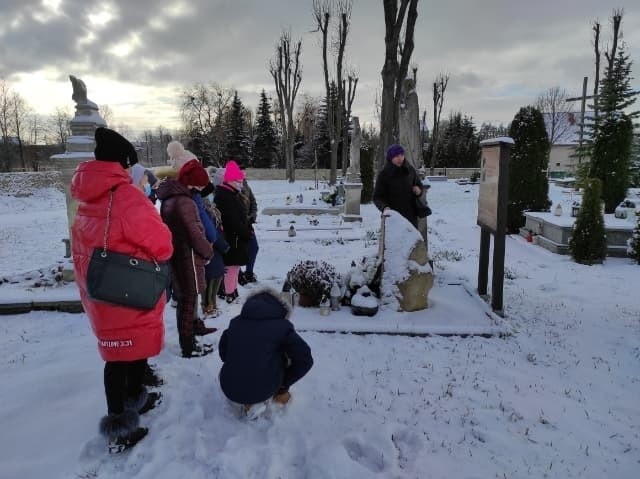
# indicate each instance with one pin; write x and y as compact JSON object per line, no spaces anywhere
{"x":262,"y":354}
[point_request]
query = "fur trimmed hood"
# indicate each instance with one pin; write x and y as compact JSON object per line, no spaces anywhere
{"x":265,"y":303}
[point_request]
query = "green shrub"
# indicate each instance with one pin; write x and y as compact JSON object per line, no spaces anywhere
{"x":588,"y":244}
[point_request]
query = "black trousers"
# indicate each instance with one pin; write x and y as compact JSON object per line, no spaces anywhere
{"x":122,"y":380}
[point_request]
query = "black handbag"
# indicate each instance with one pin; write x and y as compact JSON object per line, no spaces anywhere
{"x":125,"y":280}
{"x":422,"y":208}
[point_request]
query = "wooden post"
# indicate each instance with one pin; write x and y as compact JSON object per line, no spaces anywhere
{"x":492,"y":215}
{"x":483,"y":267}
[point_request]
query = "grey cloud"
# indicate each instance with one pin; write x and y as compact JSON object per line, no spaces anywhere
{"x":489,"y":48}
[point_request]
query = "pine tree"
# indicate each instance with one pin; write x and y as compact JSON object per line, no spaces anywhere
{"x":528,"y":184}
{"x":266,"y":143}
{"x":459,"y":146}
{"x":238,"y":145}
{"x":613,"y":137}
{"x":588,"y":244}
{"x":321,"y":141}
{"x":634,"y":241}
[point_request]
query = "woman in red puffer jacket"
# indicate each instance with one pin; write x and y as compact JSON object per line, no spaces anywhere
{"x":126,"y":336}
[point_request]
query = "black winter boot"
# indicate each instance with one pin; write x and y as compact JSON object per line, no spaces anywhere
{"x":151,"y":378}
{"x":201,"y":329}
{"x":122,"y":431}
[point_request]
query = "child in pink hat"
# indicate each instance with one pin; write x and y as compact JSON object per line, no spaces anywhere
{"x":235,"y":226}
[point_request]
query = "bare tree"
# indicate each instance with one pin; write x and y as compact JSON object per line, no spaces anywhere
{"x":349,"y":91}
{"x":5,"y":124}
{"x":596,"y":47}
{"x":396,"y":65}
{"x":286,"y":70}
{"x":553,"y":104}
{"x":107,"y":115}
{"x":60,"y":124}
{"x":19,"y":112}
{"x":203,"y":110}
{"x":323,"y":10}
{"x":439,"y":89}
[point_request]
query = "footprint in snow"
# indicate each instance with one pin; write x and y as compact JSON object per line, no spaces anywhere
{"x":365,"y":455}
{"x":408,"y":444}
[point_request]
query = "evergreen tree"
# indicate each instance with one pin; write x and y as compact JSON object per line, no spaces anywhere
{"x":611,"y":148}
{"x":634,"y":241}
{"x":266,"y":142}
{"x":528,"y":184}
{"x":238,"y":145}
{"x":588,"y":244}
{"x":460,"y":147}
{"x":321,"y":141}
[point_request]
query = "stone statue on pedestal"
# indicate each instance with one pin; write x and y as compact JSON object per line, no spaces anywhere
{"x":354,"y":152}
{"x":79,"y":90}
{"x":409,"y":124}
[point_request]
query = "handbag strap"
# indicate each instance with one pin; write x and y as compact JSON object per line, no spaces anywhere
{"x":106,"y":227}
{"x":106,"y":231}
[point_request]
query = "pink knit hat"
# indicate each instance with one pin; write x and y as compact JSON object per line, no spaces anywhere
{"x":232,"y":172}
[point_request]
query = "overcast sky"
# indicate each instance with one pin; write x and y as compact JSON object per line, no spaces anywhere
{"x":135,"y":55}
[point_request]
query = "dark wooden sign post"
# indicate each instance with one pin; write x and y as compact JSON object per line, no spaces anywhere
{"x":492,"y":215}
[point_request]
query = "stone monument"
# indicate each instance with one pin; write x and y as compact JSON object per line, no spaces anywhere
{"x":407,"y":276}
{"x":80,"y":144}
{"x":409,"y":124}
{"x":353,"y":185}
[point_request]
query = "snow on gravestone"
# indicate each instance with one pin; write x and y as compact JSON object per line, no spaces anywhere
{"x":407,"y":277}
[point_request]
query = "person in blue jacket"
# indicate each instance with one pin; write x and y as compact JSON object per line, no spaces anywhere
{"x":262,"y":354}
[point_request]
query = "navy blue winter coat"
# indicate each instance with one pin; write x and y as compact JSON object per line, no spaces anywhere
{"x":256,"y":348}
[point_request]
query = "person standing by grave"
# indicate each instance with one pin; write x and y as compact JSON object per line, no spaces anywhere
{"x":192,"y":250}
{"x":249,"y":200}
{"x":109,"y":203}
{"x":214,"y":270}
{"x":236,"y":227}
{"x":398,"y":186}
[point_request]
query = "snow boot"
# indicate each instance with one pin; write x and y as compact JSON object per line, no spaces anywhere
{"x":197,"y":350}
{"x":201,"y":329}
{"x":242,"y":280}
{"x":153,"y":399}
{"x":151,"y":378}
{"x":250,"y":277}
{"x":122,"y":431}
{"x":231,"y":298}
{"x":120,"y":444}
{"x":254,"y":411}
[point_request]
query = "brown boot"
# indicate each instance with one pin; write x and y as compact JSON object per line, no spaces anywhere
{"x":282,"y":397}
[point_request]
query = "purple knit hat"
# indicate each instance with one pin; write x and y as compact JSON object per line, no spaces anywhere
{"x":393,"y":151}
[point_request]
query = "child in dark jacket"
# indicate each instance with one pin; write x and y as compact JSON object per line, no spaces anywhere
{"x":262,"y":354}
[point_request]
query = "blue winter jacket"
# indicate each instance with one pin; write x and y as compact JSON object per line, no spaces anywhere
{"x":213,"y":232}
{"x":209,"y":226}
{"x":256,"y":349}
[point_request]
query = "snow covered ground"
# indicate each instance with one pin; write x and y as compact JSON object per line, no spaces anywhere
{"x":559,"y":398}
